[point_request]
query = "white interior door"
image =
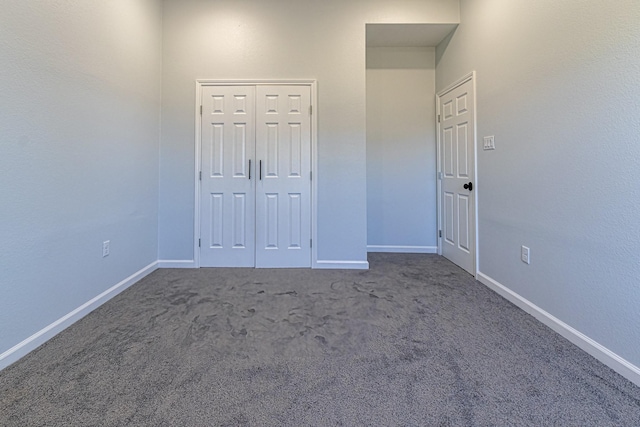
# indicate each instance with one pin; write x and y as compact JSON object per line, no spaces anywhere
{"x":283,"y":189}
{"x":227,"y":188}
{"x":457,"y":151}
{"x":255,"y":190}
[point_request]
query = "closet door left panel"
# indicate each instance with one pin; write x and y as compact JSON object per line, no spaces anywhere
{"x":227,"y":196}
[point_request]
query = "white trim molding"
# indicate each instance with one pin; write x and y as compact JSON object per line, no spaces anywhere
{"x":595,"y":349}
{"x":176,"y":263}
{"x":34,"y":341}
{"x":403,"y":249}
{"x":341,"y":265}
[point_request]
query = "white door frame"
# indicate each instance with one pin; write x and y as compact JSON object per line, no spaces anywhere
{"x":469,"y":77}
{"x":312,"y":83}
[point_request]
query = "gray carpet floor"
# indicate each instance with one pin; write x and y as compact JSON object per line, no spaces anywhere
{"x":414,"y":341}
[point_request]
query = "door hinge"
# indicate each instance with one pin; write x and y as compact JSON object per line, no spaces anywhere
{"x":199,"y":242}
{"x":310,"y":175}
{"x":439,"y":233}
{"x":200,"y":175}
{"x":310,"y":243}
{"x":310,"y":109}
{"x":201,"y":110}
{"x":438,"y":118}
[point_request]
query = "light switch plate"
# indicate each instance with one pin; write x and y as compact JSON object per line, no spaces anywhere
{"x":489,"y":143}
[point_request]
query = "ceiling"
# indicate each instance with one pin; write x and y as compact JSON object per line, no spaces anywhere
{"x":407,"y":35}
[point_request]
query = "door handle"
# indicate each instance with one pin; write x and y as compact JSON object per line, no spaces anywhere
{"x":468,"y":186}
{"x":260,"y":170}
{"x":249,"y":168}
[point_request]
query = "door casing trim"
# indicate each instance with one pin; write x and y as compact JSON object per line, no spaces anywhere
{"x":468,"y":77}
{"x":312,"y":83}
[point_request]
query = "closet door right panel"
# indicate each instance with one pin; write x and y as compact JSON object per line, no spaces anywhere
{"x":283,"y":190}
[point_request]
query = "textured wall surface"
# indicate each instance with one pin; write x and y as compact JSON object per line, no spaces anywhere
{"x":79,"y":131}
{"x":401,"y":147}
{"x":558,"y":86}
{"x":224,"y":39}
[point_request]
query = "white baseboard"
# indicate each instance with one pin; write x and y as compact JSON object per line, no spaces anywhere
{"x":600,"y":352}
{"x":176,"y":263}
{"x":342,"y":265}
{"x":350,"y":265}
{"x":40,"y":337}
{"x":403,"y":249}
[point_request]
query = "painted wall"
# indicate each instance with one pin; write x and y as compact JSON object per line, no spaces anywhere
{"x":79,"y":132}
{"x":558,"y":86}
{"x":401,"y":149}
{"x":256,"y":39}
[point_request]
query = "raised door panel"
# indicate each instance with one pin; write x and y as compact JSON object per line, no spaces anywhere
{"x":462,"y":150}
{"x":448,"y":218}
{"x":270,"y":229}
{"x":294,"y":240}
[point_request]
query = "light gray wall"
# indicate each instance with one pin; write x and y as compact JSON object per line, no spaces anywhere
{"x":256,"y":39}
{"x":79,"y":131}
{"x":401,"y":147}
{"x":558,"y":86}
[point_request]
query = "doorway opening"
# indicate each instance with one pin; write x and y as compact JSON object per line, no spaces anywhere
{"x":401,"y":136}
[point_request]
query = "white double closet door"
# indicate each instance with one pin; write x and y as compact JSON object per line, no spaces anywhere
{"x":255,"y":190}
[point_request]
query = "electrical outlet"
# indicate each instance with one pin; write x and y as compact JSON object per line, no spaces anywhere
{"x":105,"y":248}
{"x":525,"y":255}
{"x":489,"y":143}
